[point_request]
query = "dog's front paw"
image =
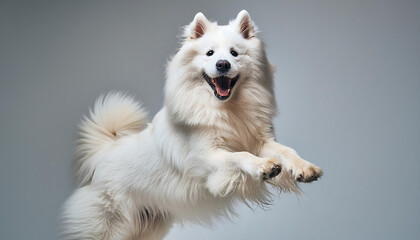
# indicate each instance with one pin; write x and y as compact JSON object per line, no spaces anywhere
{"x":305,"y":171}
{"x":269,"y":169}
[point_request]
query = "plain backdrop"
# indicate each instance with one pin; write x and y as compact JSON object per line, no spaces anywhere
{"x":347,"y":85}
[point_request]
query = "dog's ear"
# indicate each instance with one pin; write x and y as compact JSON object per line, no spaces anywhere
{"x":246,"y":26}
{"x":197,"y":27}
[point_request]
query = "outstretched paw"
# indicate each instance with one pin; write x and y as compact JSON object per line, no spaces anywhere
{"x":306,"y":173}
{"x":270,"y":169}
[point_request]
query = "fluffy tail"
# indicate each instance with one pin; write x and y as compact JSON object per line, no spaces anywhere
{"x":113,"y":116}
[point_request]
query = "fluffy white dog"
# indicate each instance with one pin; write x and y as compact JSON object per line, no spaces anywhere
{"x":211,"y":145}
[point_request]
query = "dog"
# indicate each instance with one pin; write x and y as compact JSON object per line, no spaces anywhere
{"x":211,"y":146}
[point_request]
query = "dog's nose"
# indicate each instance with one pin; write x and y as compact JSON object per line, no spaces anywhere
{"x":222,"y":66}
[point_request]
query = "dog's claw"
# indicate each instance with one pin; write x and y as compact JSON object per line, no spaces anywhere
{"x":314,"y":176}
{"x":272,"y":172}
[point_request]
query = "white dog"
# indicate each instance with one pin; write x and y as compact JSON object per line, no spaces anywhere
{"x":211,"y":145}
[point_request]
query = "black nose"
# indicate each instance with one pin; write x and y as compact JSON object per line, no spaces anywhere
{"x":222,"y":66}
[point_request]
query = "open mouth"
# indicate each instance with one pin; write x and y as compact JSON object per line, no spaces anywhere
{"x":222,"y":86}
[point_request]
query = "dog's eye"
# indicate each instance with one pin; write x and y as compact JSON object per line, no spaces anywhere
{"x":234,"y":53}
{"x":209,"y":53}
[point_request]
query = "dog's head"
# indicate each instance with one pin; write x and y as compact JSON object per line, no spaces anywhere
{"x":222,"y":54}
{"x":216,"y":64}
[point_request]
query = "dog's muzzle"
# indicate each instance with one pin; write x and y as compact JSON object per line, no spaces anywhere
{"x":222,"y":86}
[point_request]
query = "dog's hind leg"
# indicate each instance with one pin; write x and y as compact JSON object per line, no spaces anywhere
{"x":156,"y":232}
{"x":150,"y":224}
{"x":91,"y":213}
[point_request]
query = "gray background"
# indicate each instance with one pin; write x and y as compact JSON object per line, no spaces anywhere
{"x":347,"y":84}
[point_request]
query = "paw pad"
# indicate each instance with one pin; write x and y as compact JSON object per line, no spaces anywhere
{"x":272,"y":172}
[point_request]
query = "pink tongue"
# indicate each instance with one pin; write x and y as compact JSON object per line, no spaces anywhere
{"x":222,"y":92}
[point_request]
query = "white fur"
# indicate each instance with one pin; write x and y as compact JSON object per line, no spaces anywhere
{"x":197,"y":158}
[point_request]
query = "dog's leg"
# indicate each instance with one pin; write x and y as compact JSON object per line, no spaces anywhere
{"x":157,"y":231}
{"x":149,"y":224}
{"x":91,"y":213}
{"x":229,"y":168}
{"x":301,"y":170}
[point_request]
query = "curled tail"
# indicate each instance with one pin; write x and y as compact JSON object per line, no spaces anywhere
{"x":113,"y":116}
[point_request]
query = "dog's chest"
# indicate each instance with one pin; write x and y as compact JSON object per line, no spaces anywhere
{"x":236,"y":134}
